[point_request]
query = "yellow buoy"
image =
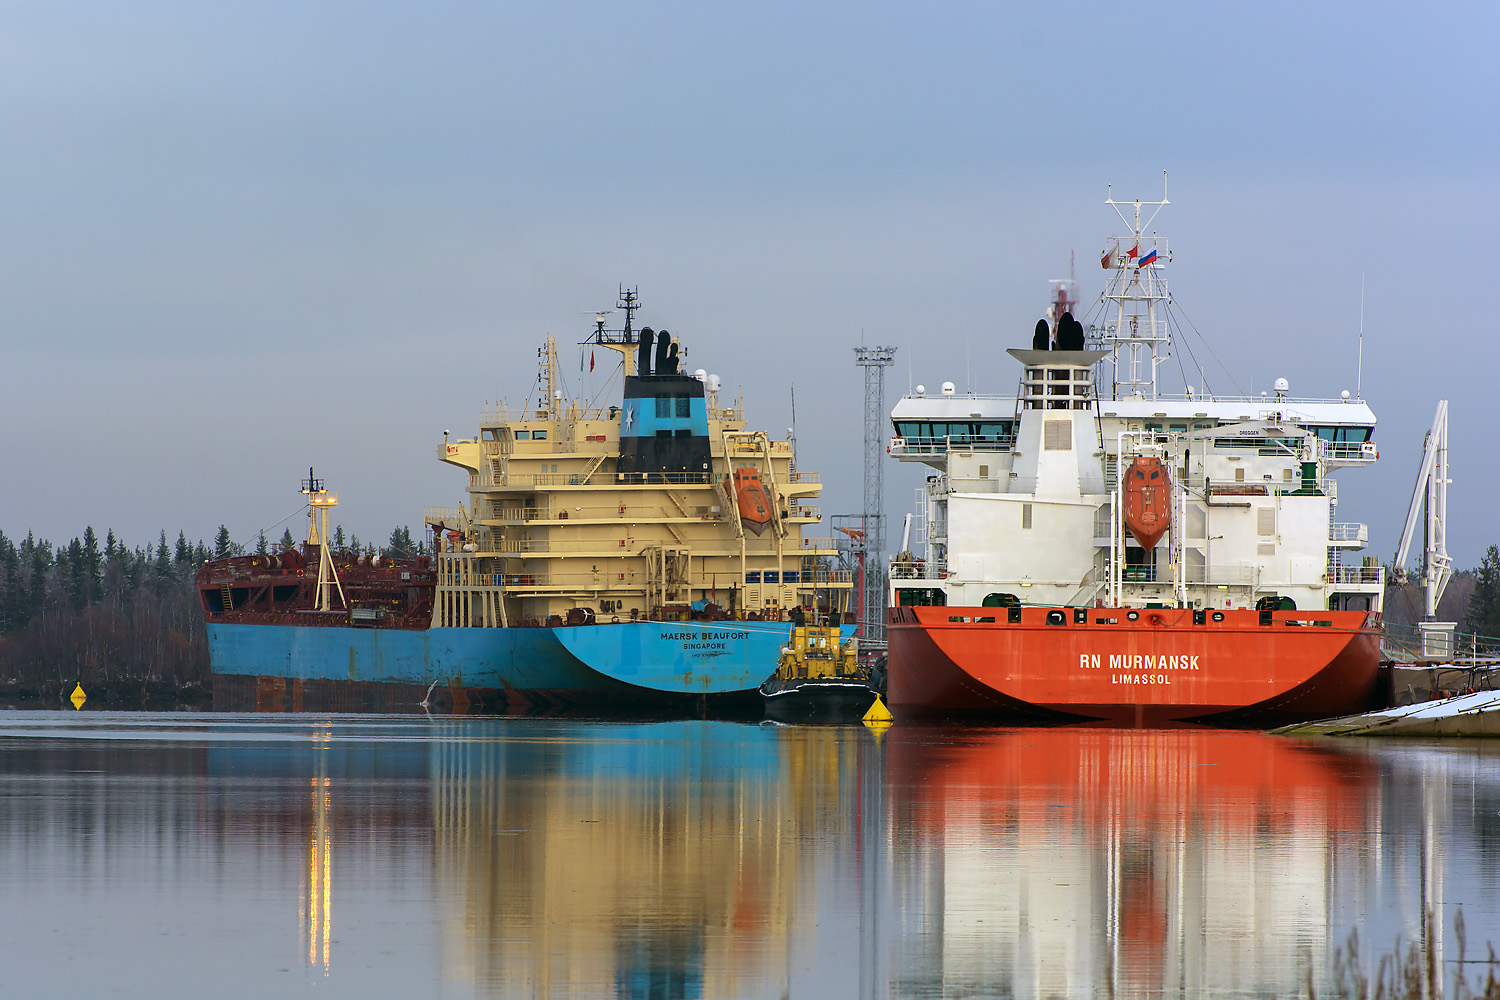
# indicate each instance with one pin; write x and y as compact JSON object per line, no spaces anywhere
{"x":78,"y":697}
{"x":878,"y":715}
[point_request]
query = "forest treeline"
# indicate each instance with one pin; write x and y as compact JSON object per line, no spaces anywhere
{"x":122,"y":621}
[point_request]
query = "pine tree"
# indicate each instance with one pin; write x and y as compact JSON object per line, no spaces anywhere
{"x":260,"y":543}
{"x":161,"y":569}
{"x":11,"y":594}
{"x":1484,"y":604}
{"x":338,"y":536}
{"x":183,"y":553}
{"x":287,"y":541}
{"x":93,"y":567}
{"x":400,"y":545}
{"x":73,"y":574}
{"x":39,"y":555}
{"x":222,"y":543}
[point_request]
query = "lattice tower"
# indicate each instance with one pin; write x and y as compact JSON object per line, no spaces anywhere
{"x":874,"y":360}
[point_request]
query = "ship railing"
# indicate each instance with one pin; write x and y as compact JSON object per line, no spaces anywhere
{"x":1340,"y":531}
{"x":1215,"y":576}
{"x":1356,"y":575}
{"x":807,"y":510}
{"x":663,"y":479}
{"x":556,"y":479}
{"x":726,"y":413}
{"x":1296,"y":487}
{"x":824,"y":577}
{"x":916,"y":569}
{"x":1461,"y":649}
{"x":502,"y":415}
{"x":1264,"y":487}
{"x":805,"y":477}
{"x":1348,"y":452}
{"x":509,"y":513}
{"x":952,"y":443}
{"x":455,"y":571}
{"x":451,"y":517}
{"x":819,"y":543}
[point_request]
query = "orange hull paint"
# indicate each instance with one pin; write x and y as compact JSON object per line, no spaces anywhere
{"x":1159,"y":668}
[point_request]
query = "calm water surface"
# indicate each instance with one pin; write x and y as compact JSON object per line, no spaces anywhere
{"x":360,"y":856}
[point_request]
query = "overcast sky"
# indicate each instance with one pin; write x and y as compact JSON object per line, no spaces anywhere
{"x":241,"y":239}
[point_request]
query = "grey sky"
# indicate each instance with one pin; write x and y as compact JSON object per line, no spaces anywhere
{"x":242,"y":239}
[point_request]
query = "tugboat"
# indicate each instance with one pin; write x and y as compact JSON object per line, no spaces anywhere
{"x":819,"y":676}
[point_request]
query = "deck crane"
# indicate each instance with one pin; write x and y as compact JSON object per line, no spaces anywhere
{"x":1430,"y":495}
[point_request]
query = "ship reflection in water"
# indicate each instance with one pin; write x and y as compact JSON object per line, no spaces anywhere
{"x":524,"y":858}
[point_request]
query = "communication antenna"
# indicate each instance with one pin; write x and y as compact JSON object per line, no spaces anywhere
{"x":1359,"y":372}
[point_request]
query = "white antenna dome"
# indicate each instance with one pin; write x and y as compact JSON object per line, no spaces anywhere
{"x":557,"y":394}
{"x":713,"y":383}
{"x":921,"y":390}
{"x":700,"y":374}
{"x":948,"y":388}
{"x":1282,"y":386}
{"x":1344,"y":395}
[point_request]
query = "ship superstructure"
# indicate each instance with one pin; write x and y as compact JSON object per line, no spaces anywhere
{"x":661,"y":505}
{"x":1091,"y":488}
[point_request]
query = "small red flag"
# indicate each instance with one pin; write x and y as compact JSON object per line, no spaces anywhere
{"x":591,"y":360}
{"x":1134,"y":250}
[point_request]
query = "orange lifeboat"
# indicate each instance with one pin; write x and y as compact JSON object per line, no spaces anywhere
{"x":1148,"y":500}
{"x":750,"y":496}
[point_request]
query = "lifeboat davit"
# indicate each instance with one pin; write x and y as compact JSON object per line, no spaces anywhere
{"x":1148,"y":500}
{"x":750,"y":496}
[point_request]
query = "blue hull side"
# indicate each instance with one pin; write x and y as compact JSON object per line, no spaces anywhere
{"x":696,"y":658}
{"x":681,"y":657}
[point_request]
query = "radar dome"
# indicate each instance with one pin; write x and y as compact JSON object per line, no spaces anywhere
{"x":921,"y":390}
{"x":1282,"y":387}
{"x":948,"y":388}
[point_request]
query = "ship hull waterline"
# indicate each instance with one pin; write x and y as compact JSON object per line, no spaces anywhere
{"x":629,"y":665}
{"x":1157,"y":669}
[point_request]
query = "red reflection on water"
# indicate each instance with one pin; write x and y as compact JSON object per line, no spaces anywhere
{"x":1127,"y":803}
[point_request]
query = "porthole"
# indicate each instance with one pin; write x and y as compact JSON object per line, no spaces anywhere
{"x":1133,"y":616}
{"x":1218,"y":616}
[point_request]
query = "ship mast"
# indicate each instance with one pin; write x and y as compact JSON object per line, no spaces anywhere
{"x":1135,"y":320}
{"x":622,"y":341}
{"x":319,"y":501}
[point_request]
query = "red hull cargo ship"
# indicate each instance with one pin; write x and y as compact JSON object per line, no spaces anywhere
{"x":1098,"y":548}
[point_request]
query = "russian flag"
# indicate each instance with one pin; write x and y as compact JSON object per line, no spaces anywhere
{"x":1148,"y":258}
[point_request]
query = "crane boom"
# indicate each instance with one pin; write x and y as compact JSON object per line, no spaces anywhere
{"x":1430,"y":494}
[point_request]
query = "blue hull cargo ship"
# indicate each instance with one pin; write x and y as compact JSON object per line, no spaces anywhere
{"x":644,"y":555}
